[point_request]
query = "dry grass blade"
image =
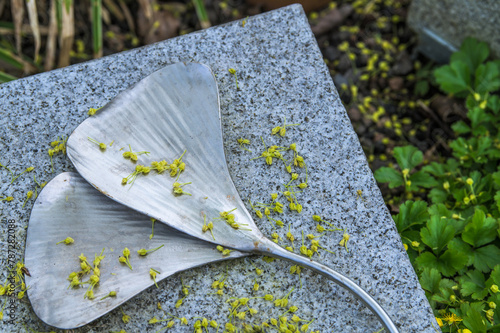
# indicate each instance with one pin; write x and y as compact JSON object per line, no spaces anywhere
{"x":147,"y":8}
{"x":128,"y":16}
{"x":114,"y":9}
{"x":25,"y":30}
{"x":33,"y":16}
{"x":67,"y":32}
{"x":50,"y":49}
{"x":105,"y":16}
{"x":2,"y":6}
{"x":17,"y":8}
{"x":97,"y":27}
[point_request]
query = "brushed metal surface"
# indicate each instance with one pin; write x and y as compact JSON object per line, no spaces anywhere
{"x":69,"y":207}
{"x":172,"y":110}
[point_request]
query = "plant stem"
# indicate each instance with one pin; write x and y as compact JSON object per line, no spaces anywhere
{"x":97,"y":27}
{"x":202,"y":13}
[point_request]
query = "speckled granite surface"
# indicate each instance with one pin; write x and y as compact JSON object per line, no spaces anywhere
{"x":280,"y":73}
{"x":454,"y":20}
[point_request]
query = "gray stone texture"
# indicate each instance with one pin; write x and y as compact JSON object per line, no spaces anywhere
{"x":443,"y":25}
{"x":280,"y":73}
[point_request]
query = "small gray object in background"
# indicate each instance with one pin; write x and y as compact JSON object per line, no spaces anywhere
{"x":443,"y":25}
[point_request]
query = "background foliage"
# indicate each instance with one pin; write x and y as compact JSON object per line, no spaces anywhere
{"x":451,"y":231}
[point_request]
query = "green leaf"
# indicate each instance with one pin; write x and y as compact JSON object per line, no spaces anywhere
{"x":473,"y":284}
{"x":483,"y":146}
{"x":445,"y":291}
{"x":437,"y":234}
{"x":486,"y":257}
{"x":470,"y":102}
{"x":408,"y":157}
{"x":496,"y":178}
{"x":4,"y":77}
{"x":460,"y":147}
{"x":389,"y":175}
{"x":413,"y":235}
{"x":429,"y":280}
{"x":8,"y":57}
{"x":411,"y":213}
{"x":497,"y":199}
{"x":472,"y":52}
{"x":427,"y":260}
{"x":454,"y":78}
{"x":477,"y":116}
{"x":438,"y":196}
{"x":481,"y":230}
{"x":480,"y":181}
{"x":436,"y":169}
{"x":462,"y":247}
{"x":421,"y":87}
{"x":451,"y":261}
{"x":422,"y":179}
{"x":440,"y":210}
{"x":408,"y":236}
{"x":448,"y":263}
{"x":487,"y":78}
{"x":495,"y":299}
{"x":494,"y":154}
{"x":460,"y":127}
{"x":480,"y":130}
{"x":473,"y":319}
{"x":494,"y":103}
{"x":495,"y":275}
{"x":458,"y":225}
{"x":453,"y":165}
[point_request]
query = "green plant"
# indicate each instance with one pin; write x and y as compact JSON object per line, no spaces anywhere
{"x":408,"y":158}
{"x":453,"y":239}
{"x":424,"y":77}
{"x":97,"y":27}
{"x":201,"y":12}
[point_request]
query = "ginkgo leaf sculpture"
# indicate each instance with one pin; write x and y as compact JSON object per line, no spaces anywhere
{"x":69,"y":206}
{"x":183,"y":181}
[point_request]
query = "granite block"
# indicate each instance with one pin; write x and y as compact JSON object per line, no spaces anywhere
{"x":281,"y":74}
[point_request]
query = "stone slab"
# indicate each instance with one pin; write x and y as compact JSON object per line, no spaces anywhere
{"x":443,"y":25}
{"x":281,"y":73}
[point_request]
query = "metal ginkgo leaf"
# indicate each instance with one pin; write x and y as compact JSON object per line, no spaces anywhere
{"x":69,"y":207}
{"x":170,"y":111}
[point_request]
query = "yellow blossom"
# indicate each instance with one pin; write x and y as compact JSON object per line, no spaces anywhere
{"x":451,"y":318}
